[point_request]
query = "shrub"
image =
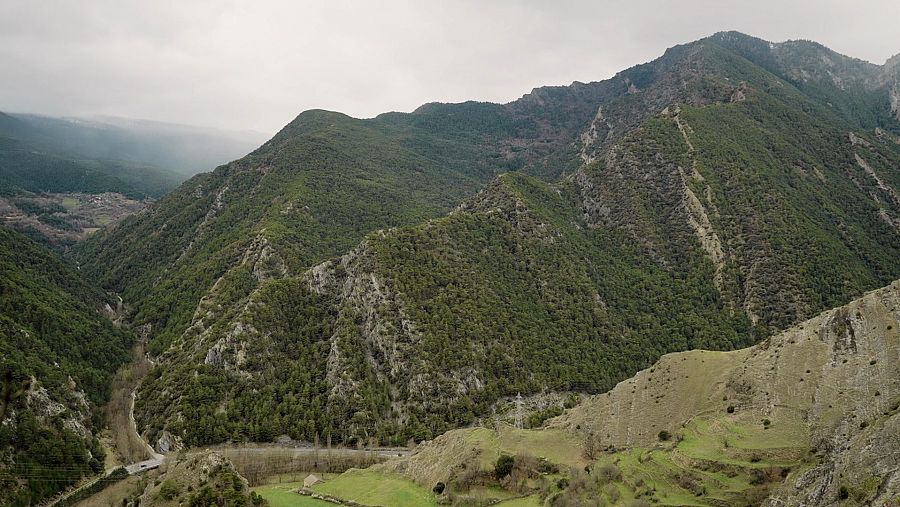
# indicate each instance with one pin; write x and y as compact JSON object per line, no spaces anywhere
{"x":663,"y":435}
{"x":844,"y":493}
{"x":438,"y":488}
{"x":612,"y":492}
{"x":169,"y":489}
{"x":607,"y":473}
{"x":504,"y":466}
{"x":730,"y":409}
{"x":590,"y":448}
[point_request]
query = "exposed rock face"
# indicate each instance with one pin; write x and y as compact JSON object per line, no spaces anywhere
{"x":74,"y":417}
{"x":217,"y":205}
{"x":624,"y":182}
{"x":895,"y":100}
{"x":598,"y":131}
{"x":168,"y":442}
{"x":697,"y":216}
{"x":891,"y":194}
{"x":386,"y":332}
{"x":854,"y":418}
{"x":366,"y":295}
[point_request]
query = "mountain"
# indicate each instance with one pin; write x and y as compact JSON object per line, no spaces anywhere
{"x":309,"y":194}
{"x":807,"y":417}
{"x":725,"y":191}
{"x":58,"y":351}
{"x":38,"y":155}
{"x":182,"y":149}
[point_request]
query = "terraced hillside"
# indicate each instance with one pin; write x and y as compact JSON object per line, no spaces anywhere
{"x":807,"y":417}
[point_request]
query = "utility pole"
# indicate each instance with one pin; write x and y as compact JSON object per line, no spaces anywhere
{"x":519,"y":403}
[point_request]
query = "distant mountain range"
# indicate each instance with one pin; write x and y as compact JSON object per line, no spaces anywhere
{"x":136,"y":157}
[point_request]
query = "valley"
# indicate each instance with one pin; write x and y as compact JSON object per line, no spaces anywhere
{"x":676,"y":286}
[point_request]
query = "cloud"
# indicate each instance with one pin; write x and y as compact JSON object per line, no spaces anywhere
{"x":256,"y":64}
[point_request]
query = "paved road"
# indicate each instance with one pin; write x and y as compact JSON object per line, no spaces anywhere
{"x":143,"y":466}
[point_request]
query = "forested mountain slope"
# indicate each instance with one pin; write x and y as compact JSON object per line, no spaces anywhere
{"x":704,"y":199}
{"x":810,"y":416}
{"x":314,"y":191}
{"x":57,"y":354}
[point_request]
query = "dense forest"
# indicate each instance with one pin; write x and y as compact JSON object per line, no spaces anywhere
{"x":57,"y":356}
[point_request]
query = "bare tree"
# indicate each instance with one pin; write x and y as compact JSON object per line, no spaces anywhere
{"x":591,"y":446}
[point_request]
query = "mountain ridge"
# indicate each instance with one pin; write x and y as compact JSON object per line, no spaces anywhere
{"x":700,"y":180}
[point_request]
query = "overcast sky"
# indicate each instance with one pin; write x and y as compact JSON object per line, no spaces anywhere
{"x":254,"y":65}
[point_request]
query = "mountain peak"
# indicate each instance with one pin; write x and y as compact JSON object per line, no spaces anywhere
{"x":893,"y":62}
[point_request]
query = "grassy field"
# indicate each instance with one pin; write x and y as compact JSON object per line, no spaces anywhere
{"x":556,"y":446}
{"x":70,"y":203}
{"x":283,"y":495}
{"x":377,"y":488}
{"x":261,"y":464}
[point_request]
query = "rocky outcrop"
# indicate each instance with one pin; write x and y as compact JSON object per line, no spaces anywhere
{"x":168,"y":442}
{"x":217,"y":205}
{"x":697,"y":216}
{"x":386,"y":333}
{"x":889,"y":191}
{"x":75,"y":415}
{"x":183,"y":479}
{"x":598,"y":131}
{"x":894,"y":95}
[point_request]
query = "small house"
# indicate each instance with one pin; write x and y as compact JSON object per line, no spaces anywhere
{"x":311,"y":480}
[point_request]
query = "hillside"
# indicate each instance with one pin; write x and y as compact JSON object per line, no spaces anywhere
{"x":705,"y":199}
{"x":58,"y":352}
{"x":807,"y":417}
{"x":420,"y":329}
{"x":206,"y":478}
{"x":311,"y":193}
